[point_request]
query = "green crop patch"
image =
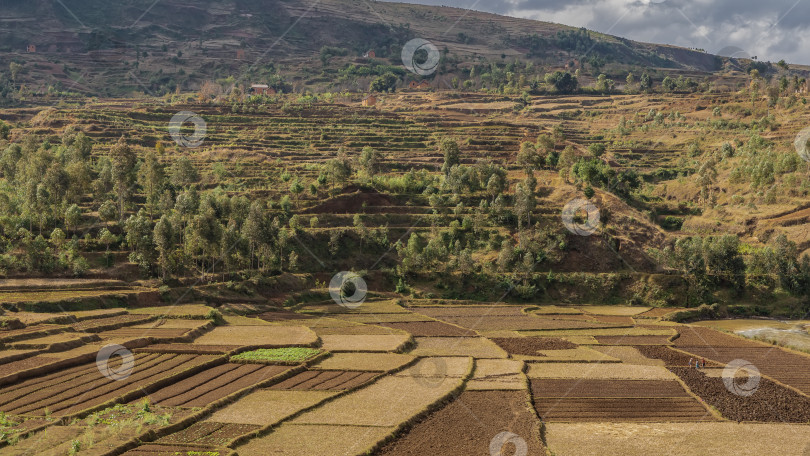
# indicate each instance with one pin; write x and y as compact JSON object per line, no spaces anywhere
{"x":289,"y":355}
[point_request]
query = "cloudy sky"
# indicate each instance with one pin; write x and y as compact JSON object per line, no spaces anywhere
{"x":769,"y":29}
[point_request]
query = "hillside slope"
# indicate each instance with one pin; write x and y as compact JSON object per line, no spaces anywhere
{"x":104,"y":48}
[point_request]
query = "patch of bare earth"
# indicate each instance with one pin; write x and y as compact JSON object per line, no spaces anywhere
{"x":468,"y":425}
{"x":530,"y":345}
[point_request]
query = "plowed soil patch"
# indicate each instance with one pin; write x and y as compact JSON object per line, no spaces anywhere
{"x":769,"y":402}
{"x":212,"y":384}
{"x":564,"y":388}
{"x":78,"y":388}
{"x":669,"y":356}
{"x":789,"y":368}
{"x":430,"y":328}
{"x":633,"y":340}
{"x":209,"y":433}
{"x":622,"y":409}
{"x":24,"y":364}
{"x":697,"y":336}
{"x":324,"y":380}
{"x":468,"y":425}
{"x":352,"y":203}
{"x":530,"y":345}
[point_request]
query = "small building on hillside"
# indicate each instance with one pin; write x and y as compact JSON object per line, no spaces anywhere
{"x":262,"y":89}
{"x":421,"y":85}
{"x":370,"y":100}
{"x":32,"y":48}
{"x":370,"y":54}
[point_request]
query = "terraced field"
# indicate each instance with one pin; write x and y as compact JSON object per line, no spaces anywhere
{"x":380,"y":393}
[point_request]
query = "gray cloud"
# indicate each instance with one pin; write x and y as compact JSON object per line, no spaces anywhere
{"x":771,"y":30}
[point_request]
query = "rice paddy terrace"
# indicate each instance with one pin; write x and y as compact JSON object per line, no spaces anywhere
{"x":391,"y":377}
{"x":664,"y":138}
{"x":214,"y":368}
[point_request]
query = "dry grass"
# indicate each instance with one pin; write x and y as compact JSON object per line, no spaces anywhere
{"x":500,"y":334}
{"x":557,"y":310}
{"x":59,"y":295}
{"x":628,"y":355}
{"x":384,"y":318}
{"x":477,"y":347}
{"x":493,"y":310}
{"x":497,"y":374}
{"x":357,"y":330}
{"x":579,"y":354}
{"x":84,"y":314}
{"x":55,"y":340}
{"x":386,"y":306}
{"x":239,"y":320}
{"x":581,"y":340}
{"x":266,"y":407}
{"x":611,"y":371}
{"x":390,"y":401}
{"x":173,"y":323}
{"x":316,"y":440}
{"x":689,"y":439}
{"x":741,"y":325}
{"x":614,"y":310}
{"x":369,"y":362}
{"x":372,"y":343}
{"x":258,"y":336}
{"x":319,"y":322}
{"x":634,"y":331}
{"x":497,"y":367}
{"x":193,"y":311}
{"x":454,"y":367}
{"x":31,"y":318}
